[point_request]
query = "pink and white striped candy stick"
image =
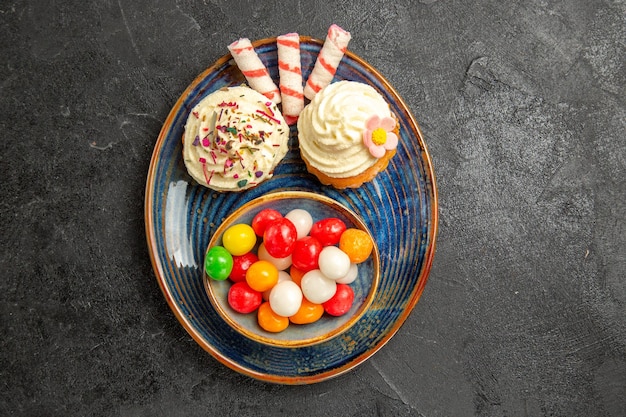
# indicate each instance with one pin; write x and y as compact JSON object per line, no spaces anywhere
{"x":253,"y":69}
{"x":290,"y":72}
{"x":328,"y":60}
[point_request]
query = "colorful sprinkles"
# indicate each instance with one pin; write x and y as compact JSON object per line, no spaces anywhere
{"x":233,"y":140}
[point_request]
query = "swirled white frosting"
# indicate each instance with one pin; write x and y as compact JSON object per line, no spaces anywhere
{"x":233,"y":139}
{"x":330,"y":128}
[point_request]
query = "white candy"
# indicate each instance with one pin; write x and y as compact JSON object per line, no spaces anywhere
{"x":333,"y":262}
{"x":317,"y":288}
{"x":282,"y":276}
{"x":353,"y":272}
{"x":280,"y":263}
{"x":285,"y":298}
{"x":302,"y":220}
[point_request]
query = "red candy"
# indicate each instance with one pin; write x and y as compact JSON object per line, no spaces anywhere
{"x":244,"y":299}
{"x":263,"y":219}
{"x":240,"y":266}
{"x":341,"y":302}
{"x":280,"y":237}
{"x":328,"y":231}
{"x":305,"y":254}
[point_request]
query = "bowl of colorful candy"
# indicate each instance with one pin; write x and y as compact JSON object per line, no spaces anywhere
{"x":291,"y":269}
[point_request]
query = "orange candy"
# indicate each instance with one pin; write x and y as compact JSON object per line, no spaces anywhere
{"x":308,"y":313}
{"x":261,"y":276}
{"x":357,"y":244}
{"x":296,"y":275}
{"x":270,"y":321}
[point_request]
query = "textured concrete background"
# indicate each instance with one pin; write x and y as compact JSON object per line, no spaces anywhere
{"x":522,"y":105}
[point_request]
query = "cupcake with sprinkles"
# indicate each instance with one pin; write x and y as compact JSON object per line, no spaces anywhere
{"x":233,"y":139}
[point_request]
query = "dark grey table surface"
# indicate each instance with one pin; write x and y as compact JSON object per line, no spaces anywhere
{"x":522,"y":107}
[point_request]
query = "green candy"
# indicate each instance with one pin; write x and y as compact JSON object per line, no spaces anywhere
{"x":218,"y":263}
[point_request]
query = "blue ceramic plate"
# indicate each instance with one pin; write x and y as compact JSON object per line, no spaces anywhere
{"x":399,"y":207}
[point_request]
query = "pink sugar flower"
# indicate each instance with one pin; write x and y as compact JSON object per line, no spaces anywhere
{"x":378,"y":136}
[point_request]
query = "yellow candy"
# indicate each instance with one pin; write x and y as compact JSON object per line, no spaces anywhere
{"x":239,"y":239}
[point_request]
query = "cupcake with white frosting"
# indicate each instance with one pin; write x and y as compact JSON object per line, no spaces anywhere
{"x":347,"y":134}
{"x":234,"y":139}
